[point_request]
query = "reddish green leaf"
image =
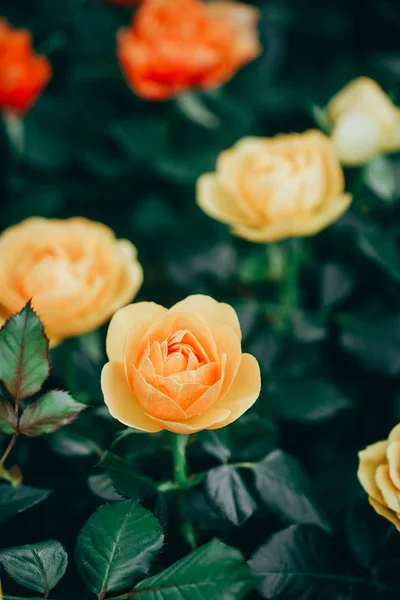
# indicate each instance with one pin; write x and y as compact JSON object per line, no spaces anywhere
{"x":51,"y":412}
{"x":8,"y":417}
{"x":24,"y":357}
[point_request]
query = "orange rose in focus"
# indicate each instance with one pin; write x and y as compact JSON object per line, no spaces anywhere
{"x":177,"y":45}
{"x":180,"y":369}
{"x":23,"y":74}
{"x":75,"y":271}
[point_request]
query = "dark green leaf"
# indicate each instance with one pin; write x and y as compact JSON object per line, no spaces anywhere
{"x":229,"y":493}
{"x":307,"y":400}
{"x":379,"y":176}
{"x":16,"y":500}
{"x":21,"y":598}
{"x":336,"y":284}
{"x":376,"y":344}
{"x":382,"y":250}
{"x":117,"y":545}
{"x":127,"y":480}
{"x":286,"y":489}
{"x":38,"y":567}
{"x":299,"y":562}
{"x":73,"y":443}
{"x":24,"y":360}
{"x":213,"y":571}
{"x":102,"y":486}
{"x":215,"y":443}
{"x":307,"y":326}
{"x":8,"y":418}
{"x":48,"y":414}
{"x":193,"y":107}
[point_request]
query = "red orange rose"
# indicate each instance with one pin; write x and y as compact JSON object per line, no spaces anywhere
{"x":177,"y":45}
{"x":23,"y":74}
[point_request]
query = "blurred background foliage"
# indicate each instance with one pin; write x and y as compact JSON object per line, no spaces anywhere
{"x":330,"y":383}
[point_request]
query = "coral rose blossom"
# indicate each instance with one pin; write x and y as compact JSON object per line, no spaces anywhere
{"x":75,"y":271}
{"x":379,"y":474}
{"x":180,"y":369}
{"x":23,"y":74}
{"x":177,"y":45}
{"x":365,"y":122}
{"x":268,"y":189}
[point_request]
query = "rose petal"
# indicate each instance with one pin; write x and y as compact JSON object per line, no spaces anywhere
{"x":126,"y":319}
{"x":154,"y":401}
{"x":218,"y":202}
{"x":393,"y":455}
{"x":243,"y":392}
{"x":205,"y":421}
{"x":370,"y":459}
{"x":228,"y":345}
{"x":211,"y":310}
{"x":390,"y":494}
{"x":120,"y":401}
{"x":305,"y":226}
{"x":383,"y":511}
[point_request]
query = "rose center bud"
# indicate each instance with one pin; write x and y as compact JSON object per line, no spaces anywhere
{"x":178,"y":374}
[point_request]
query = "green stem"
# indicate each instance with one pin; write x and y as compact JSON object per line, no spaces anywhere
{"x":182,"y":481}
{"x":290,"y":283}
{"x":9,"y":448}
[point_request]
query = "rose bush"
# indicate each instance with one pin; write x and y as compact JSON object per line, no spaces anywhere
{"x":271,"y":189}
{"x":75,"y":271}
{"x":180,"y":369}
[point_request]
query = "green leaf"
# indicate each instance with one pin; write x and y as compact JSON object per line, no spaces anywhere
{"x":320,"y":117}
{"x":38,"y":567}
{"x":299,"y":562}
{"x":382,"y":250}
{"x":16,"y":500}
{"x":213,"y":571}
{"x":307,"y":400}
{"x":48,"y":414}
{"x":21,"y":598}
{"x":8,"y":418}
{"x":229,"y":493}
{"x":379,"y":176}
{"x":336,"y":284}
{"x":375,"y":344}
{"x":127,"y":480}
{"x":102,"y":486}
{"x":24,"y":359}
{"x":307,"y":326}
{"x":286,"y":489}
{"x":117,"y":545}
{"x":215,"y":443}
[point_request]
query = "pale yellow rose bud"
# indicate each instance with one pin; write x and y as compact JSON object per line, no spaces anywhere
{"x":379,"y":474}
{"x":268,"y":189}
{"x":365,"y":122}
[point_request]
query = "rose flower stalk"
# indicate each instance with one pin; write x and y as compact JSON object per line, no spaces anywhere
{"x":180,"y":369}
{"x":379,"y":474}
{"x":75,"y":271}
{"x":269,"y":189}
{"x":23,"y":74}
{"x":173,"y":46}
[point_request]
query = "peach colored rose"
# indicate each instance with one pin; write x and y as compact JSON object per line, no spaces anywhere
{"x":379,"y":474}
{"x":365,"y":122}
{"x":180,"y":369}
{"x":23,"y":74}
{"x":268,"y":189}
{"x":176,"y":46}
{"x":75,"y":271}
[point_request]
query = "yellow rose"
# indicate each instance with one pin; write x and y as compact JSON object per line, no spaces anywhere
{"x":268,"y":189}
{"x":180,"y":369}
{"x":379,"y":474}
{"x":365,"y":122}
{"x":75,"y":271}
